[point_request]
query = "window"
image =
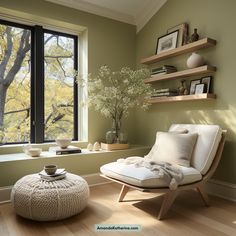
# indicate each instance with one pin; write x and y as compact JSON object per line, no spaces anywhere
{"x":38,"y":93}
{"x":60,"y":64}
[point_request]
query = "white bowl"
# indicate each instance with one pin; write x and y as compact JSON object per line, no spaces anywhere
{"x":34,"y":152}
{"x":63,"y":142}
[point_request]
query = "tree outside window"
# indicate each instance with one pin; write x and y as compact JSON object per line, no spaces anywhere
{"x":16,"y":76}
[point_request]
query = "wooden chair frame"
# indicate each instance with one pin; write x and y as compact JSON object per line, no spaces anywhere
{"x":170,"y":195}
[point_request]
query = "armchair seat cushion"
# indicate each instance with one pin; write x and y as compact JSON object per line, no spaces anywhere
{"x":144,"y":177}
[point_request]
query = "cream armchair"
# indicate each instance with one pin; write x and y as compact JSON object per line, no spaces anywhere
{"x":204,"y":160}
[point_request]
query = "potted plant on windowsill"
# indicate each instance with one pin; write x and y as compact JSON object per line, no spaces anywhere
{"x":114,"y":93}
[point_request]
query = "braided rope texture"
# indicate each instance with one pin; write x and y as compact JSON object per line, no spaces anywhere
{"x":40,"y":200}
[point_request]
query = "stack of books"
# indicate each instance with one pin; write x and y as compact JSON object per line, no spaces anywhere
{"x":59,"y":174}
{"x":166,"y":69}
{"x":62,"y":151}
{"x":167,"y":92}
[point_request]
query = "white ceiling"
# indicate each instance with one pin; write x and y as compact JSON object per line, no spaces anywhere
{"x":135,"y":12}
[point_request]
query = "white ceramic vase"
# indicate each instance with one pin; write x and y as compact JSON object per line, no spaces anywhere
{"x":195,"y":60}
{"x":90,"y":147}
{"x":96,"y":146}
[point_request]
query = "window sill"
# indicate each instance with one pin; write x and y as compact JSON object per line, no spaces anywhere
{"x":46,"y":154}
{"x":17,"y":148}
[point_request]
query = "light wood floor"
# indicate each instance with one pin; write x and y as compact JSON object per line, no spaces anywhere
{"x":188,"y":216}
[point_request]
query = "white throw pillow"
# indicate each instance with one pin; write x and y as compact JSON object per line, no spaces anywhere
{"x":174,"y":148}
{"x":175,"y":131}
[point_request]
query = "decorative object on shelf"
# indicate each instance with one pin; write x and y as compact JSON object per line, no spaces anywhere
{"x":96,"y":146}
{"x":34,"y":152}
{"x":166,"y":69}
{"x":194,"y":37}
{"x":195,"y":60}
{"x":193,"y":84}
{"x":167,"y":42}
{"x":165,"y":92}
{"x":90,"y":147}
{"x":207,"y":80}
{"x":183,"y":88}
{"x":63,"y":142}
{"x":200,"y":88}
{"x":183,"y":33}
{"x":114,"y":93}
{"x":185,"y":37}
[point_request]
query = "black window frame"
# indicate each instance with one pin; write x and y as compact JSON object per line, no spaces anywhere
{"x":37,"y":98}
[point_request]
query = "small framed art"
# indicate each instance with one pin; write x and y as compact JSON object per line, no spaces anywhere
{"x":193,"y":84}
{"x":183,"y":33}
{"x":207,"y":81}
{"x":167,"y":42}
{"x":200,"y":88}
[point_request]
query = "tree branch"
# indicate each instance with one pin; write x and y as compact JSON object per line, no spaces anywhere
{"x":23,"y":49}
{"x":16,"y":111}
{"x":7,"y":54}
{"x":54,"y":110}
{"x":49,"y":38}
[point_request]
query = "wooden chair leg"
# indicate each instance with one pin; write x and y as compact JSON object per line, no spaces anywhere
{"x":167,"y":203}
{"x":123,"y":192}
{"x":203,"y":195}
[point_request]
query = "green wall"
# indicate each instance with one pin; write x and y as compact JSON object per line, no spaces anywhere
{"x":215,"y":19}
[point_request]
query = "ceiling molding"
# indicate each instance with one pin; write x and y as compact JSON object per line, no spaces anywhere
{"x":97,"y":10}
{"x":146,"y":14}
{"x":139,"y":19}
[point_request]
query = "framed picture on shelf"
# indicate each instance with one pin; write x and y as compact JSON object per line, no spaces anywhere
{"x":183,"y":33}
{"x":200,"y":88}
{"x":207,"y":81}
{"x":193,"y":84}
{"x":167,"y":42}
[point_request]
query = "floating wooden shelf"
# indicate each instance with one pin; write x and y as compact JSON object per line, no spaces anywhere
{"x":203,"y":96}
{"x":202,"y":70}
{"x":202,"y":43}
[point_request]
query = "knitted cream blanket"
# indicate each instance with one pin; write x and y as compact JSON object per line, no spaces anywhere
{"x":170,"y":173}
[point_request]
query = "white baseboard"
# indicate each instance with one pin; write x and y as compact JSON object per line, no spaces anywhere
{"x":92,"y":179}
{"x":222,"y":189}
{"x":5,"y":193}
{"x":214,"y":187}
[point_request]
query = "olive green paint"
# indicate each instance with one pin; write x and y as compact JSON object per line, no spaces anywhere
{"x":215,"y":19}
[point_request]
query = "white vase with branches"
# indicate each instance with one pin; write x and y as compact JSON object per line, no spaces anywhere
{"x":115,"y":93}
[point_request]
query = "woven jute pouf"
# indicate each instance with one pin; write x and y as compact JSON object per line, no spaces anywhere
{"x":40,"y":200}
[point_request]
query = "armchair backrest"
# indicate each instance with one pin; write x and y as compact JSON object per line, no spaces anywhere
{"x":205,"y":149}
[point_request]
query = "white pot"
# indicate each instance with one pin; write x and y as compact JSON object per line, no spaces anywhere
{"x":195,"y":60}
